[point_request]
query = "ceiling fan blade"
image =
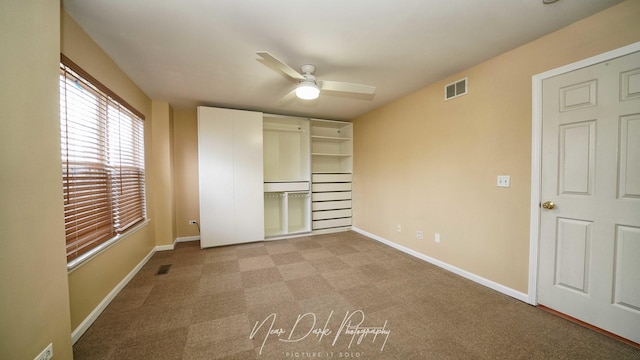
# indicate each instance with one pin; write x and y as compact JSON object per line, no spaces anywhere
{"x":276,"y":63}
{"x":288,"y":99}
{"x":346,"y":87}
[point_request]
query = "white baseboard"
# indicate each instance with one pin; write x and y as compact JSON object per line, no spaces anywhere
{"x":84,"y":325}
{"x":177,"y":240}
{"x":468,"y":275}
{"x":165,"y":247}
{"x":188,"y":238}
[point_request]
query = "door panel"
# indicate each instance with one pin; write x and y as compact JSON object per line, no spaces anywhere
{"x":629,"y":170}
{"x":627,"y":271}
{"x":589,"y":264}
{"x":572,"y":248}
{"x":576,"y":156}
{"x":630,"y":84}
{"x":215,"y":157}
{"x":248,"y":176}
{"x":578,"y":96}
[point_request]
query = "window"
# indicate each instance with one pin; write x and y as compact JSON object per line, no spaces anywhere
{"x":102,"y":143}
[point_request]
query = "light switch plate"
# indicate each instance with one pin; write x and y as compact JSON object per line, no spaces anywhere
{"x":504,"y":180}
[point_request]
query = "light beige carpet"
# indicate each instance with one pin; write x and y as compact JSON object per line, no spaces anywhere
{"x":330,"y":296}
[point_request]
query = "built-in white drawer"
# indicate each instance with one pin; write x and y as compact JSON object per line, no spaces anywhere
{"x":330,"y":196}
{"x":286,"y":186}
{"x":331,"y":205}
{"x":331,"y":187}
{"x":320,"y":178}
{"x":331,"y":214}
{"x":323,"y":224}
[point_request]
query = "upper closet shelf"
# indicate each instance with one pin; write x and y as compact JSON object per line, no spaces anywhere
{"x":329,"y":138}
{"x":297,"y":130}
{"x":325,"y":154}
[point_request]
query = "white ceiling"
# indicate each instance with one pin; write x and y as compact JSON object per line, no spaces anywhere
{"x":203,"y":52}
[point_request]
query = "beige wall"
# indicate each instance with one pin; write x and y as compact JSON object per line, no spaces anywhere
{"x":162,"y":145}
{"x":420,"y":162}
{"x":185,"y":132}
{"x":34,"y":299}
{"x":431,"y":165}
{"x":90,"y":283}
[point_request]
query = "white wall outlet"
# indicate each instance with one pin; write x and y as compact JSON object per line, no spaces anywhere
{"x":504,"y":180}
{"x":192,"y":222}
{"x":420,"y":234}
{"x":437,"y":238}
{"x":399,"y":228}
{"x":46,"y":354}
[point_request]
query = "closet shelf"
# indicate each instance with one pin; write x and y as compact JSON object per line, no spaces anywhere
{"x":329,"y":138}
{"x":331,"y":172}
{"x":331,"y":155}
{"x":283,"y":129}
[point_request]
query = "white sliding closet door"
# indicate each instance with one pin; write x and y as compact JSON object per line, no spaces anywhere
{"x":230,"y":176}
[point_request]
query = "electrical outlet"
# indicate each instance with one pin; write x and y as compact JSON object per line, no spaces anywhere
{"x":46,"y":354}
{"x":504,"y":181}
{"x":437,"y":238}
{"x":420,"y":234}
{"x":399,"y":228}
{"x":192,"y":222}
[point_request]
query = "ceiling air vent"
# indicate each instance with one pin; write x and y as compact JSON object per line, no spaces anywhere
{"x":455,"y":89}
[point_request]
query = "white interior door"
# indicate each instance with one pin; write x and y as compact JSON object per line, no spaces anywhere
{"x":589,"y":265}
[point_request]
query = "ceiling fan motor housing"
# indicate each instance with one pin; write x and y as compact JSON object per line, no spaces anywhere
{"x":308,"y":78}
{"x":308,"y":69}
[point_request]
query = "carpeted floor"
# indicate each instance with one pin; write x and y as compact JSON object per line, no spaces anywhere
{"x":328,"y":296}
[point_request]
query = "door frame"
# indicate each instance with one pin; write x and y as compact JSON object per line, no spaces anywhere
{"x":536,"y":153}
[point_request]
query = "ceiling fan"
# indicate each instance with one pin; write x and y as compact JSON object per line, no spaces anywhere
{"x":308,"y":87}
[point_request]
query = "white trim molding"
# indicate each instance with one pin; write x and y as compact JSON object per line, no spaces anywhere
{"x":166,"y":247}
{"x":177,"y":240}
{"x":188,"y":238}
{"x":465,"y":274}
{"x":86,"y":323}
{"x":536,"y":152}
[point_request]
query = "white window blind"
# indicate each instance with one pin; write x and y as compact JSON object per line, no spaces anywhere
{"x":102,"y":163}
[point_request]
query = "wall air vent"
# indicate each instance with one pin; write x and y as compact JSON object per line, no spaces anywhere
{"x":455,"y":89}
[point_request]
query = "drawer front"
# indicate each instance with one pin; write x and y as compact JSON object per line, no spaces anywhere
{"x":323,"y":224}
{"x":323,"y":178}
{"x":286,"y":186}
{"x":331,"y":187}
{"x":331,"y":214}
{"x":331,"y":205}
{"x":329,"y":196}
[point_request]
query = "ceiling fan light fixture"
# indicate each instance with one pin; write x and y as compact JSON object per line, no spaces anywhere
{"x":307,"y":90}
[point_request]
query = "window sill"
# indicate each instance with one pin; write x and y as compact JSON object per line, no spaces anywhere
{"x":84,"y":258}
